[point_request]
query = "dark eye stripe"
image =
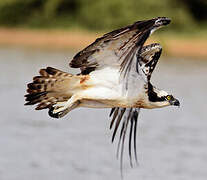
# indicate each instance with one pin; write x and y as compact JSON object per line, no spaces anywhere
{"x":154,"y":98}
{"x":153,"y":95}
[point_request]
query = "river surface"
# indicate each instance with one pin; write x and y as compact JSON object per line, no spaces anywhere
{"x":172,"y":142}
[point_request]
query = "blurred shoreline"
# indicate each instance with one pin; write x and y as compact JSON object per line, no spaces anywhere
{"x":76,"y":40}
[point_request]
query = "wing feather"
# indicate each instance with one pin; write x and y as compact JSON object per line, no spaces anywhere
{"x":119,"y":47}
{"x":129,"y":116}
{"x":147,"y":60}
{"x":115,"y":48}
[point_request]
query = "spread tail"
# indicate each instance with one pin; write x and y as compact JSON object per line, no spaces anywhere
{"x":50,"y":88}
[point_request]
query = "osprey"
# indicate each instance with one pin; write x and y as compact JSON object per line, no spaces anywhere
{"x":115,"y":73}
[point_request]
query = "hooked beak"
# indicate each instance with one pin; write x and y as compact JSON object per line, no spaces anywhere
{"x":175,"y":102}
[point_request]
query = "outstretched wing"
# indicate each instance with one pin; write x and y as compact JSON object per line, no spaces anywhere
{"x":130,"y":116}
{"x":116,"y":48}
{"x":147,"y":60}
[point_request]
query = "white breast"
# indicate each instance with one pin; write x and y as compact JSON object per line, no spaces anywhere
{"x":107,"y":87}
{"x":105,"y":83}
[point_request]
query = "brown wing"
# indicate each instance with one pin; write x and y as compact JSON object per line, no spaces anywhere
{"x":116,"y":48}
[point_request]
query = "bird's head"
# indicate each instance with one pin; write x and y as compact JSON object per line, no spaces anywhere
{"x":159,"y":98}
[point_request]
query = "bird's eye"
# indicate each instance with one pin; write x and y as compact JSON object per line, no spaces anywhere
{"x":168,"y":97}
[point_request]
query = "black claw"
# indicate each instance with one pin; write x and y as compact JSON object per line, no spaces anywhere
{"x":52,"y":114}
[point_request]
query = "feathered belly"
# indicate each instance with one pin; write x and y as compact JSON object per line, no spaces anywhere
{"x":110,"y":103}
{"x":105,"y":90}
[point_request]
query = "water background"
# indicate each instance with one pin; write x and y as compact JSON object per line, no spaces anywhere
{"x":172,"y":142}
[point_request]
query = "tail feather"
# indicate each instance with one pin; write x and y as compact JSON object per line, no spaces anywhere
{"x":48,"y":88}
{"x":34,"y":98}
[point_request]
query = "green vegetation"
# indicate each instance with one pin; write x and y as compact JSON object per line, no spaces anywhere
{"x":105,"y":15}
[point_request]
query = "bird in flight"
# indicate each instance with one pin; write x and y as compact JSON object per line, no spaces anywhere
{"x":115,"y":73}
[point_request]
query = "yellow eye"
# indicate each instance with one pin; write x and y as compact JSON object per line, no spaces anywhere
{"x":168,"y":97}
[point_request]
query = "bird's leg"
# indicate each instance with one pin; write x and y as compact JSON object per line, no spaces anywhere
{"x":62,"y":108}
